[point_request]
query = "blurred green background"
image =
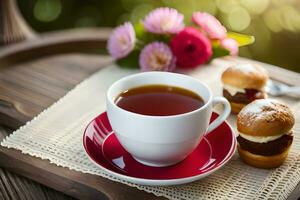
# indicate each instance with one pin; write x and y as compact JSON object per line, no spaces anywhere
{"x":274,"y":23}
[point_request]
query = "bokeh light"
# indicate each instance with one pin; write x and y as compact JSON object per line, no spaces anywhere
{"x":139,"y":12}
{"x":182,"y":6}
{"x":255,"y":7}
{"x":239,"y":19}
{"x":207,"y":6}
{"x":47,"y":10}
{"x":274,"y":23}
{"x":227,"y":5}
{"x":290,"y":18}
{"x":88,"y":16}
{"x":271,"y":18}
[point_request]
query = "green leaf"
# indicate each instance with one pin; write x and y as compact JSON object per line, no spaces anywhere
{"x":139,"y":30}
{"x":144,"y":37}
{"x":219,"y":52}
{"x":131,"y":61}
{"x":241,"y":39}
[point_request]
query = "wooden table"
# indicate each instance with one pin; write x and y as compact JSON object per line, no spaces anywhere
{"x":33,"y":75}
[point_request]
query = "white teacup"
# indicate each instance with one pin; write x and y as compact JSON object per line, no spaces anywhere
{"x":162,"y":140}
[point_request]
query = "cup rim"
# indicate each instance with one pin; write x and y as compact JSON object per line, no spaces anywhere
{"x":111,"y":101}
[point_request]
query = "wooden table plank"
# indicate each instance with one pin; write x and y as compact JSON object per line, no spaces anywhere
{"x":28,"y":88}
{"x":74,"y":40}
{"x":13,"y":186}
{"x":76,"y":184}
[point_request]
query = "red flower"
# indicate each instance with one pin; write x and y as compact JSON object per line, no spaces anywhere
{"x":191,"y":48}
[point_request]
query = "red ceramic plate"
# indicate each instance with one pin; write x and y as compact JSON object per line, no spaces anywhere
{"x":104,"y":149}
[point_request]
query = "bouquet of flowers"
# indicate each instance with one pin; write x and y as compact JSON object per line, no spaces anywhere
{"x":162,"y":42}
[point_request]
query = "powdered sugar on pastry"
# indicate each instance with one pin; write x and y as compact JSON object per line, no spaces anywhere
{"x":267,"y":110}
{"x":245,"y":68}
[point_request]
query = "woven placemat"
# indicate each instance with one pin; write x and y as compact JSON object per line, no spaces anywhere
{"x":56,"y":135}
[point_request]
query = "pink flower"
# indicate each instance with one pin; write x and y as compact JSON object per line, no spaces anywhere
{"x":231,"y":45}
{"x":121,"y":41}
{"x":210,"y":25}
{"x":157,"y":56}
{"x":164,"y":21}
{"x":191,"y":48}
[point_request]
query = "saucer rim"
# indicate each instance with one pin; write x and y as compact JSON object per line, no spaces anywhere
{"x":162,"y":182}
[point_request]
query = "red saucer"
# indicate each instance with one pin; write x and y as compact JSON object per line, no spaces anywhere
{"x":103,"y":148}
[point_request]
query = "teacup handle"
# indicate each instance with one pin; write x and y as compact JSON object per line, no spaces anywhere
{"x":222,"y":117}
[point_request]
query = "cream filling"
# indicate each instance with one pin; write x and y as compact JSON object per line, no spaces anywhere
{"x":233,"y":90}
{"x":260,"y":139}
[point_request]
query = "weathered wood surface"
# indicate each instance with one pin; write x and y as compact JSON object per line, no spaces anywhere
{"x":25,"y":90}
{"x":29,"y":87}
{"x":13,"y":186}
{"x":78,"y":40}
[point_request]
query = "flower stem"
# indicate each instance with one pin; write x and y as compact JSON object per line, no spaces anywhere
{"x":139,"y":44}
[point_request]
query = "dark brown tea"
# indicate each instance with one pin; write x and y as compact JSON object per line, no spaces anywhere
{"x":159,"y":100}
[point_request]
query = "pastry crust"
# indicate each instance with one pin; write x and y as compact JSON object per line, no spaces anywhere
{"x":236,"y":107}
{"x":265,"y":162}
{"x":265,"y":117}
{"x":245,"y":75}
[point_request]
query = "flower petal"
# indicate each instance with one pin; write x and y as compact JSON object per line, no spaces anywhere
{"x":122,"y":41}
{"x":210,"y":25}
{"x":164,"y":21}
{"x":157,"y":56}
